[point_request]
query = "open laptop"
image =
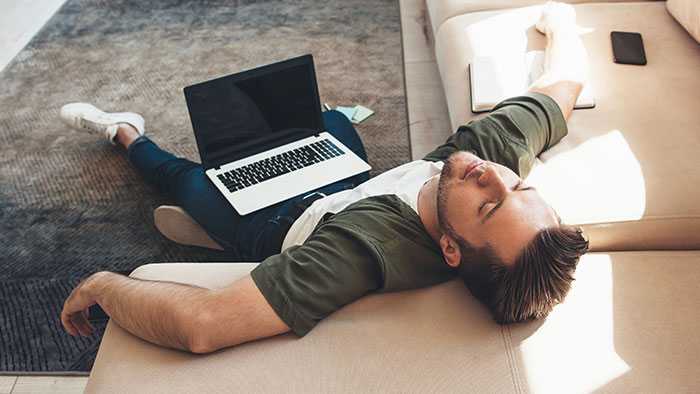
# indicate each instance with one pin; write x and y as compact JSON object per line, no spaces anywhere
{"x":261,"y":136}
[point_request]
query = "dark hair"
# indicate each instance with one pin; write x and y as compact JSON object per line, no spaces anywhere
{"x":539,"y":279}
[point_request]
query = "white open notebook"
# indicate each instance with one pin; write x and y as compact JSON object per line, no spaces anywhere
{"x":496,"y":78}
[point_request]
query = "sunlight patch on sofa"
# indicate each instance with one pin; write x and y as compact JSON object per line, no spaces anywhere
{"x":599,"y":181}
{"x":574,"y":351}
{"x":502,"y":34}
{"x":506,"y":32}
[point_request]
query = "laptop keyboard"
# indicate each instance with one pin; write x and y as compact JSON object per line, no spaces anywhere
{"x":280,"y":164}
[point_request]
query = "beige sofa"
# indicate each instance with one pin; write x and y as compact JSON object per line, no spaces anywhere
{"x":628,"y":325}
{"x":628,"y":167}
{"x":628,"y":170}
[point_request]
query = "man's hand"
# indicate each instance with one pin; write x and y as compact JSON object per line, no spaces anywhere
{"x":555,"y":17}
{"x":565,"y":58}
{"x":189,"y":318}
{"x":74,"y":316}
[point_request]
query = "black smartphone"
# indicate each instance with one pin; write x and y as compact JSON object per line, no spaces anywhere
{"x":628,"y":48}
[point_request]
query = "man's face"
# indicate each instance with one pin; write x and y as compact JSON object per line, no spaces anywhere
{"x":488,"y":204}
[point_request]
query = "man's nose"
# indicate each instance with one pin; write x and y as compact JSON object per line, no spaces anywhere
{"x":491,"y":180}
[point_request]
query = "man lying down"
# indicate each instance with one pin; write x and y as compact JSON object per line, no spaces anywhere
{"x":463,"y":210}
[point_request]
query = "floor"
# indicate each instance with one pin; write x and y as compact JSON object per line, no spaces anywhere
{"x":428,"y":120}
{"x":427,"y":116}
{"x":19,"y":21}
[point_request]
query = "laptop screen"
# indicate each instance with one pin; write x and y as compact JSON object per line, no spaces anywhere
{"x":233,"y":113}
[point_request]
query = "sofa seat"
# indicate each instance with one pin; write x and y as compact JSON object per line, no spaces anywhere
{"x":629,"y":324}
{"x":440,"y":11}
{"x":629,"y":167}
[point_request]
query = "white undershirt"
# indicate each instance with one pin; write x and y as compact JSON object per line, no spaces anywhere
{"x":404,"y":181}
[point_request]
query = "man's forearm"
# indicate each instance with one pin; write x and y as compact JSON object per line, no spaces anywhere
{"x":565,"y":58}
{"x":565,"y":68}
{"x":160,"y":312}
{"x":175,"y":315}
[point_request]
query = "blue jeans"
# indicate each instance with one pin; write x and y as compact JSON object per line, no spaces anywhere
{"x":252,"y":237}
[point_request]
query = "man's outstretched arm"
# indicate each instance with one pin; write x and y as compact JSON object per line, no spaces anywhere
{"x":175,"y":315}
{"x":535,"y":123}
{"x":565,"y":58}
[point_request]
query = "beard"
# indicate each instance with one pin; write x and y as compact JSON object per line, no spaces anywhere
{"x":444,"y":183}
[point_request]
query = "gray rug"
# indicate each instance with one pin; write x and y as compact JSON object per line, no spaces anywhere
{"x":70,"y":204}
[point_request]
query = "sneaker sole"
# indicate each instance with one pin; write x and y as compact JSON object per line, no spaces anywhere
{"x":178,"y":226}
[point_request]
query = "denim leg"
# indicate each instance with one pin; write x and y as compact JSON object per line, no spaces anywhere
{"x":160,"y":168}
{"x":251,"y":237}
{"x":185,"y":182}
{"x":341,"y":128}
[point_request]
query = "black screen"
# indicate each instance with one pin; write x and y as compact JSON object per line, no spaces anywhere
{"x":260,"y":104}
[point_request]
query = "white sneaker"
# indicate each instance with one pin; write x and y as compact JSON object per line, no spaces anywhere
{"x":87,"y":117}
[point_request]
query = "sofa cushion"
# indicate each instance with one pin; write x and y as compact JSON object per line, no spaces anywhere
{"x":687,"y":13}
{"x":629,"y":324}
{"x":630,"y":164}
{"x":440,"y":11}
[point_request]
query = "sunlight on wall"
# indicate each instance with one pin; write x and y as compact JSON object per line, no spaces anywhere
{"x":600,"y":180}
{"x":573,"y":351}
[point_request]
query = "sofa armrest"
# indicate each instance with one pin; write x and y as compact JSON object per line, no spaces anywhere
{"x":209,"y":275}
{"x":351,"y":351}
{"x":629,"y":324}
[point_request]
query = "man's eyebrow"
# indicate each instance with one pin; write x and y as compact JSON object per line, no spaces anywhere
{"x":517,"y":188}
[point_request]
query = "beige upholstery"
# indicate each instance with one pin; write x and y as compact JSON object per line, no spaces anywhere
{"x":630,"y":324}
{"x":687,"y":13}
{"x":632,"y":160}
{"x":442,"y":10}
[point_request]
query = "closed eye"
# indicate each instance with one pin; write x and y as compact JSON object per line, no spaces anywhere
{"x":517,"y":188}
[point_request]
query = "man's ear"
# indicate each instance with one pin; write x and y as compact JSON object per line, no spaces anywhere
{"x":450,"y":251}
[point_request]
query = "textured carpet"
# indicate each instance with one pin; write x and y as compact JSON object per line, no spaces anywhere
{"x":71,"y":205}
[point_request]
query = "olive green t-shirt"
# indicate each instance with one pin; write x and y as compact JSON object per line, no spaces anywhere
{"x":379,"y":244}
